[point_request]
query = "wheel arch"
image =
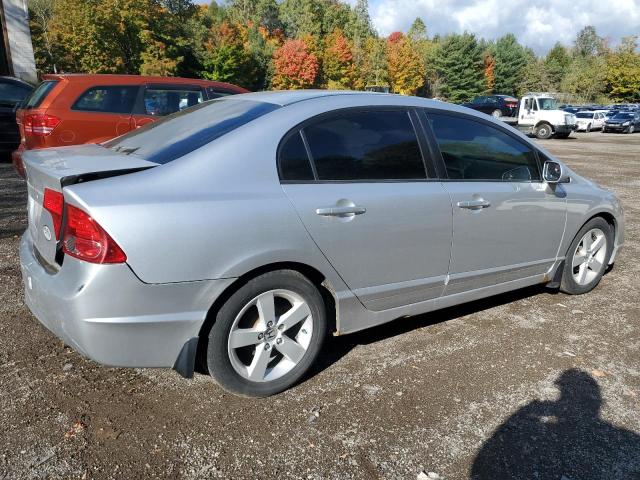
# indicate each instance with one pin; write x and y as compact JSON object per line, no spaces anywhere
{"x":316,"y":277}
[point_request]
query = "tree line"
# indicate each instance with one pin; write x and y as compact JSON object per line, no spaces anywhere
{"x":290,"y":44}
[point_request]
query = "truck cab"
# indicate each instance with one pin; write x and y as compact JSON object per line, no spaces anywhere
{"x":539,"y":114}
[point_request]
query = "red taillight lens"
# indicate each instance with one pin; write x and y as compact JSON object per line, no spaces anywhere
{"x":86,"y":240}
{"x":54,"y":203}
{"x":39,"y":124}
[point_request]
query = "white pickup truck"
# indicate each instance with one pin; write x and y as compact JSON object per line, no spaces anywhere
{"x":539,"y":115}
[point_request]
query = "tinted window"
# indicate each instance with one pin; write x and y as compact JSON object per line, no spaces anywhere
{"x":476,"y":151}
{"x":111,"y":99}
{"x":159,"y":101}
{"x":183,"y":132}
{"x":12,"y":94}
{"x":39,"y":94}
{"x":294,"y":161}
{"x":366,"y":145}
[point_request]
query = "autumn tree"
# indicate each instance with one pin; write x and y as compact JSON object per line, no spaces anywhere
{"x":622,"y":74}
{"x":294,"y":66}
{"x":489,"y":72}
{"x":405,"y":65}
{"x":337,"y":64}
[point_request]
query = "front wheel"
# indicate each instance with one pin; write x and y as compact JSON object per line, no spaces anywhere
{"x":588,"y":257}
{"x":588,"y":129}
{"x":631,"y":129}
{"x":267,"y":334}
{"x":543,"y":131}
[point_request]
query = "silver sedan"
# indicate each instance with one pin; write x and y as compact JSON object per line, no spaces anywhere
{"x":236,"y":235}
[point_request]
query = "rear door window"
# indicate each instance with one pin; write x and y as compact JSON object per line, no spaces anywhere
{"x":107,"y":99}
{"x":183,"y":132}
{"x":161,"y":101}
{"x":294,"y":161}
{"x":39,"y":94}
{"x":365,"y":145}
{"x":477,"y":151}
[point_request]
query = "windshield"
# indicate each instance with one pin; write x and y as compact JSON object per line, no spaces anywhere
{"x":183,"y":132}
{"x":584,"y":115}
{"x":547,"y":103}
{"x":623,"y":116}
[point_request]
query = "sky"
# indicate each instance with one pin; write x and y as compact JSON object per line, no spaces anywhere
{"x":536,"y":24}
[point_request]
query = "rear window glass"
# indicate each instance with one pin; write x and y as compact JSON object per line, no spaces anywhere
{"x":183,"y":132}
{"x":39,"y":94}
{"x":164,"y":101}
{"x":12,"y":94}
{"x":111,"y":99}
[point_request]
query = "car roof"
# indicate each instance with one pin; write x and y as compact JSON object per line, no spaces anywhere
{"x":114,"y":79}
{"x":14,"y":80}
{"x":289,"y":97}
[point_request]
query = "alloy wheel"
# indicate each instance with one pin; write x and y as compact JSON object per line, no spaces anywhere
{"x":270,"y":335}
{"x":589,"y":256}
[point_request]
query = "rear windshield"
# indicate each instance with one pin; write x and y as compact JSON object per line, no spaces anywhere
{"x":183,"y":132}
{"x":39,"y":94}
{"x":584,"y":115}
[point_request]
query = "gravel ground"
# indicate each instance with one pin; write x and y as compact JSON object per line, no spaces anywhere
{"x":535,"y":383}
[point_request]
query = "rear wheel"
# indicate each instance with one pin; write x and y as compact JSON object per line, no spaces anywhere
{"x":496,"y":113}
{"x":267,"y":334}
{"x":588,"y":257}
{"x":543,"y":131}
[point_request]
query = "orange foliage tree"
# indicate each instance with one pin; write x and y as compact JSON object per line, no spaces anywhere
{"x":294,"y":65}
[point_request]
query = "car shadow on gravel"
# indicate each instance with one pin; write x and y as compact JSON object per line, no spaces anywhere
{"x":337,"y":347}
{"x":563,"y":439}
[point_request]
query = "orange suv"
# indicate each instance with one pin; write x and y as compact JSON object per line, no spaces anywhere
{"x":72,"y":109}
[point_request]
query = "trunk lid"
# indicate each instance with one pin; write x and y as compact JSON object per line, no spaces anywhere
{"x":56,"y":168}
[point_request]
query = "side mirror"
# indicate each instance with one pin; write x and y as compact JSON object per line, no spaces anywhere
{"x":554,"y":173}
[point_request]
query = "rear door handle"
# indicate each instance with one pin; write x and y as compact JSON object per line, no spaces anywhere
{"x":474,"y":204}
{"x":340,"y":211}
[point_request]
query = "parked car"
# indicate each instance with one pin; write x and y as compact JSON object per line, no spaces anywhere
{"x":240,"y":232}
{"x":12,"y":92}
{"x":77,"y":109}
{"x":495,"y":105}
{"x":626,"y":122}
{"x":590,"y":120}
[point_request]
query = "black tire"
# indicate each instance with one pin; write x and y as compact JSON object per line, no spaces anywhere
{"x":588,"y":129}
{"x":218,"y":361}
{"x":568,"y":284}
{"x":543,"y":131}
{"x":631,"y":129}
{"x":562,"y":135}
{"x":496,"y":113}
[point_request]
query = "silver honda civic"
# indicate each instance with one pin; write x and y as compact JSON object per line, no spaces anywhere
{"x":234,"y":236}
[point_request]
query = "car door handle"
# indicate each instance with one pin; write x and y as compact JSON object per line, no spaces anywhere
{"x":474,"y":204}
{"x":340,"y":211}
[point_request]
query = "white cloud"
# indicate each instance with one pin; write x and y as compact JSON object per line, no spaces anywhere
{"x":538,"y":25}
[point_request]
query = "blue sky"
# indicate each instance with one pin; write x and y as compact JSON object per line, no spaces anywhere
{"x":537,"y":24}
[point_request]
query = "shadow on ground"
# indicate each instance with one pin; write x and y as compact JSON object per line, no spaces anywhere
{"x":560,"y":440}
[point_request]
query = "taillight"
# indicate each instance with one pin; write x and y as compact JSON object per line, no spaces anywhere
{"x":85,"y":239}
{"x":39,"y":124}
{"x":54,"y":203}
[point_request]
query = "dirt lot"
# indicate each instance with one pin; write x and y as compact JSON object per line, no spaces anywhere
{"x":542,"y":383}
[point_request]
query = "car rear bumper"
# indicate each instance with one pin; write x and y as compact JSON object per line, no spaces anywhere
{"x":109,"y":315}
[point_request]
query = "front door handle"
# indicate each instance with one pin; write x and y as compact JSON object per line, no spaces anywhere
{"x":474,"y":204}
{"x":340,"y":211}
